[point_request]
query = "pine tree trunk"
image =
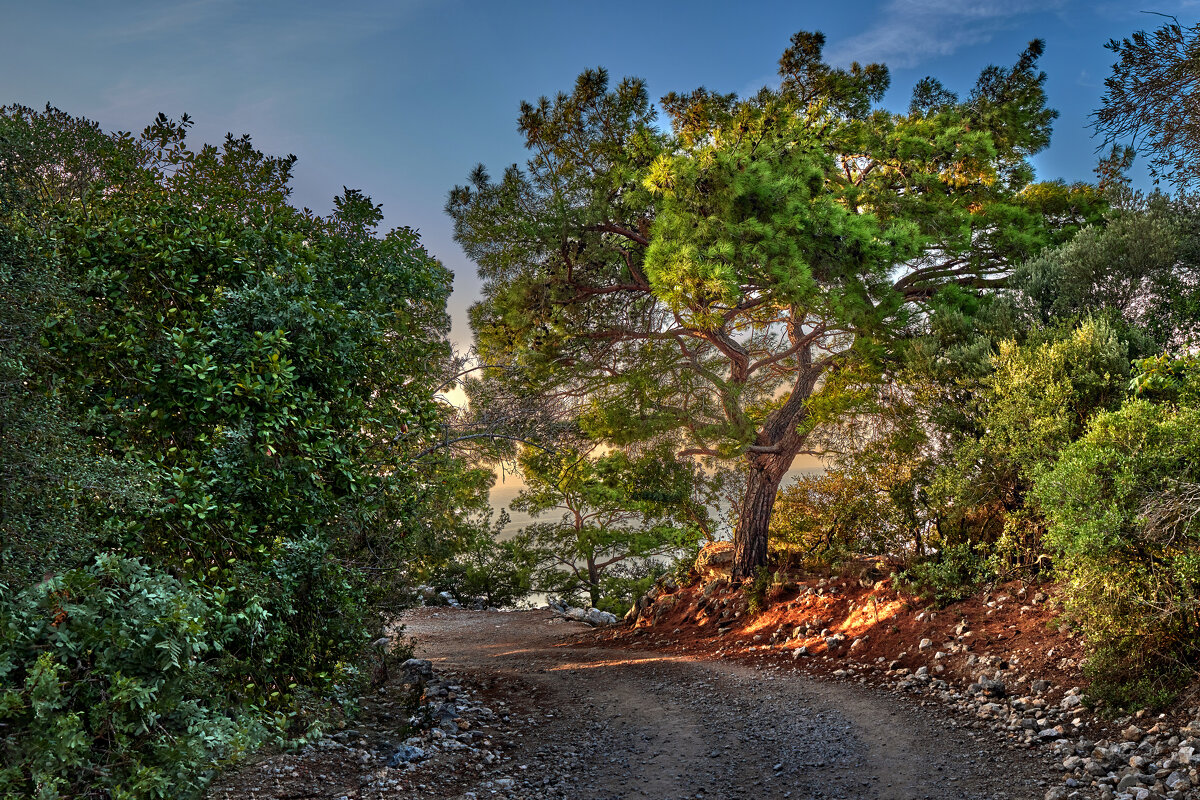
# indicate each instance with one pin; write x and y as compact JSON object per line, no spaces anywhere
{"x":778,"y":442}
{"x":754,"y":517}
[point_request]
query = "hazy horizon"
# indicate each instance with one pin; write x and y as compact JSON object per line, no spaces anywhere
{"x":502,"y":494}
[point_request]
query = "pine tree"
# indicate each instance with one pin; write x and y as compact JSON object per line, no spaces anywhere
{"x":731,"y":285}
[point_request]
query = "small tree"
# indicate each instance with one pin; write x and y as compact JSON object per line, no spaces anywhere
{"x":614,"y":508}
{"x":486,"y":567}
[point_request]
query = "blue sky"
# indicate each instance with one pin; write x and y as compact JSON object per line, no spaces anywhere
{"x":402,"y":98}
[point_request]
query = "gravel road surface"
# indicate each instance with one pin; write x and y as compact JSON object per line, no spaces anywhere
{"x":615,"y":723}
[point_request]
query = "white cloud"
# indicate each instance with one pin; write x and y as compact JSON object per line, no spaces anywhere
{"x":908,"y":32}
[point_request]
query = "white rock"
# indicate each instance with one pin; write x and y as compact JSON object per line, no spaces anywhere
{"x":595,"y":616}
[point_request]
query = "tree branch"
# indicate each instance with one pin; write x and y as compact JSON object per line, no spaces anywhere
{"x":610,"y":227}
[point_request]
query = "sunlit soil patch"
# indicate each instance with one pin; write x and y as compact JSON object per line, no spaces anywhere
{"x":619,"y":662}
{"x":862,"y":621}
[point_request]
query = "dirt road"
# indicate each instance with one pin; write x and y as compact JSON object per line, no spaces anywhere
{"x":631,"y":724}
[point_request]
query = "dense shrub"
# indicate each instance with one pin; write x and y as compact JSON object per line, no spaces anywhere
{"x":268,"y":372}
{"x":304,"y":660}
{"x":1037,"y":399}
{"x":952,"y":573}
{"x":486,"y":568}
{"x":109,"y":686}
{"x":860,"y":505}
{"x":238,"y":392}
{"x":1123,"y":507}
{"x":954,"y":503}
{"x":59,"y":487}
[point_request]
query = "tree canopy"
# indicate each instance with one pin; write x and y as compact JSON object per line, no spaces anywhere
{"x":211,"y":404}
{"x":1149,"y":102}
{"x":727,"y":285}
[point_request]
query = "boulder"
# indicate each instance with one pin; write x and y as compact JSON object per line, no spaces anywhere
{"x":715,"y":561}
{"x":595,"y":616}
{"x":664,"y":606}
{"x":416,"y":670}
{"x":406,"y":753}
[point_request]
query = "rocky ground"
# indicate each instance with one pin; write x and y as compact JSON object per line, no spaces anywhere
{"x":1002,"y":662}
{"x":540,"y":713}
{"x":840,"y":688}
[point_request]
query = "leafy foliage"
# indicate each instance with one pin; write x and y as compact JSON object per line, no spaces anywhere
{"x":1037,"y":400}
{"x":238,"y":392}
{"x":109,"y":686}
{"x":48,"y":519}
{"x":1138,"y":269}
{"x":618,"y":511}
{"x":1122,"y":507}
{"x":859,"y":504}
{"x":488,"y":568}
{"x":730,"y":286}
{"x":919,"y":480}
{"x":952,"y":573}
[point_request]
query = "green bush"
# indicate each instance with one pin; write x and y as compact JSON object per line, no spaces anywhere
{"x":756,"y":595}
{"x":623,"y":585}
{"x":109,"y":690}
{"x":1121,"y":505}
{"x":950,"y":575}
{"x":1037,"y":399}
{"x":239,"y":392}
{"x":862,"y":504}
{"x":303,"y":659}
{"x":500,"y":573}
